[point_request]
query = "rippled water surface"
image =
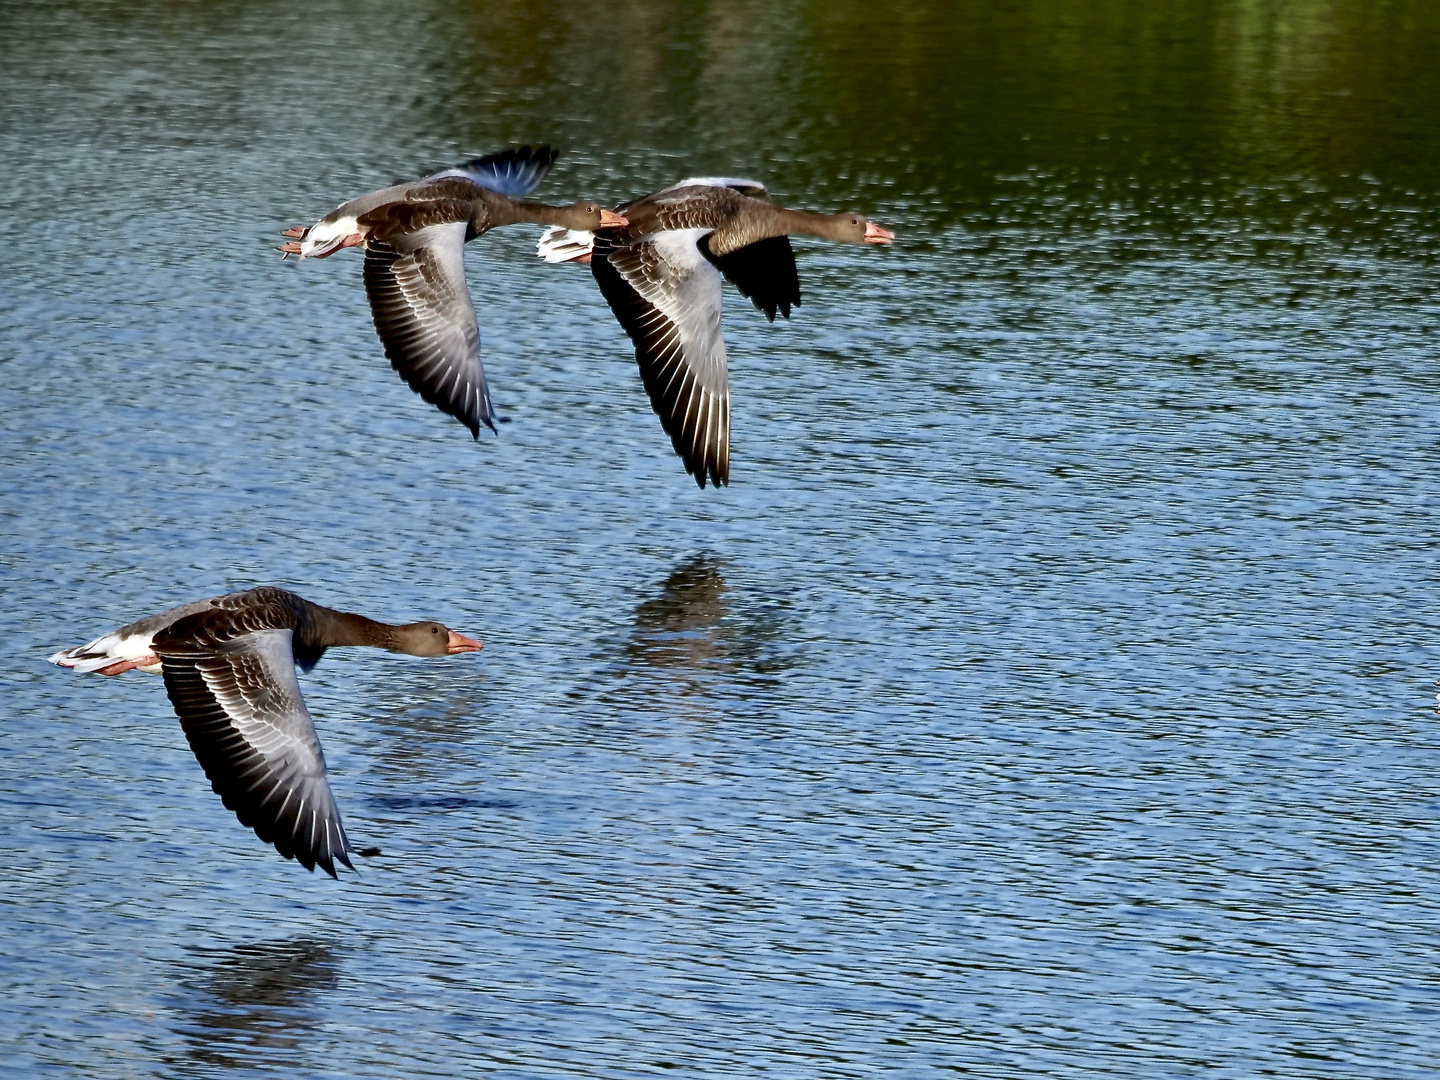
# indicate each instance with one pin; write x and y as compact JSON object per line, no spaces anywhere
{"x":1049,"y":694}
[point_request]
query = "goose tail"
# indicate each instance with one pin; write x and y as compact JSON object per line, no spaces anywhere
{"x":105,"y":652}
{"x":560,"y":245}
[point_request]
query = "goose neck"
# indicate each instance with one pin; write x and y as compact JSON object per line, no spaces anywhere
{"x":341,"y":628}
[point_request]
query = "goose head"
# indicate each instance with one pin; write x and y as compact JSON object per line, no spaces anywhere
{"x":588,"y":216}
{"x":849,"y":228}
{"x":431,"y":639}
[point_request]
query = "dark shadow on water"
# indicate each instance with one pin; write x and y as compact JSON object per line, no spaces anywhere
{"x":254,"y":1006}
{"x":440,"y":802}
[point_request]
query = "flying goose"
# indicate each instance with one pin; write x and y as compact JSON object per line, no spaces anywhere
{"x":229,"y":668}
{"x":661,"y":275}
{"x":414,"y":235}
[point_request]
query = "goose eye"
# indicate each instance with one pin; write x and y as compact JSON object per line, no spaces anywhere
{"x":854,"y":221}
{"x":434,"y":629}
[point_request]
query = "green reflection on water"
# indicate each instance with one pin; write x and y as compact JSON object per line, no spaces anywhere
{"x":1284,"y":113}
{"x":941,"y":101}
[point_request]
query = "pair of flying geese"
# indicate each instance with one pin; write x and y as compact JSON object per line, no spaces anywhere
{"x":658,"y":261}
{"x":229,"y":662}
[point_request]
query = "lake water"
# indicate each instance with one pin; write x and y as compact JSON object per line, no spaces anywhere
{"x":1050,"y":693}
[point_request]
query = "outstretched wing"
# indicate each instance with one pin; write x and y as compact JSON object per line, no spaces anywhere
{"x":426,"y":322}
{"x":764,"y":271}
{"x":753,"y":188}
{"x":514,"y":172}
{"x":239,"y":703}
{"x":667,"y":297}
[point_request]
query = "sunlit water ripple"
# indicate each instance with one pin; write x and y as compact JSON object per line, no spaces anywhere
{"x":1049,"y":694}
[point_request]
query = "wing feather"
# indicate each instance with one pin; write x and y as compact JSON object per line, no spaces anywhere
{"x":667,"y":297}
{"x":426,"y":321}
{"x":239,"y":704}
{"x":763,"y":271}
{"x":752,"y":188}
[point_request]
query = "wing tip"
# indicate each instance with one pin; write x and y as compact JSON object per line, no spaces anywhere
{"x":700,"y":475}
{"x":524,"y":167}
{"x":472,"y":423}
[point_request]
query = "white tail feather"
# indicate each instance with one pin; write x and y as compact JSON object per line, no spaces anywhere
{"x":559,"y":245}
{"x":103,"y":652}
{"x":326,"y":236}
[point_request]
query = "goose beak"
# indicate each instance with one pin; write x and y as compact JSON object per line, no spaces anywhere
{"x":874,"y":234}
{"x":610,"y":220}
{"x":459,"y":643}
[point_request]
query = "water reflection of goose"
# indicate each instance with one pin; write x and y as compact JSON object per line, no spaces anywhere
{"x":661,"y":274}
{"x":229,"y":668}
{"x":681,"y":626}
{"x":256,"y":997}
{"x":698,"y":624}
{"x":414,"y":236}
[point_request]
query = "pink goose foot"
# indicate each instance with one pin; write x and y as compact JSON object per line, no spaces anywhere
{"x":128,"y":665}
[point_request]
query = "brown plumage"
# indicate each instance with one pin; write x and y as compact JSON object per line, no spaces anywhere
{"x":733,"y":219}
{"x":229,"y":668}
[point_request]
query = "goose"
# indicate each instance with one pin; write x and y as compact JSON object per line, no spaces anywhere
{"x":661,"y":274}
{"x":229,"y":669}
{"x":414,"y":235}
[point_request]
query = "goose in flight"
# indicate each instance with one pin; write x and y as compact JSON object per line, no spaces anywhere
{"x":661,"y":274}
{"x":414,"y":235}
{"x":229,"y":668}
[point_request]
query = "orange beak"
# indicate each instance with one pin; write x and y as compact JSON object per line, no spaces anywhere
{"x":874,"y":234}
{"x":459,"y":643}
{"x":609,"y":219}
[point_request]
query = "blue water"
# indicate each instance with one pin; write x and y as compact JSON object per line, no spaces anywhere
{"x":1049,"y":694}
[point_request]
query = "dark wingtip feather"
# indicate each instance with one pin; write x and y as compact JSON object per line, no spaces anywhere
{"x":763,"y":271}
{"x":474,"y":426}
